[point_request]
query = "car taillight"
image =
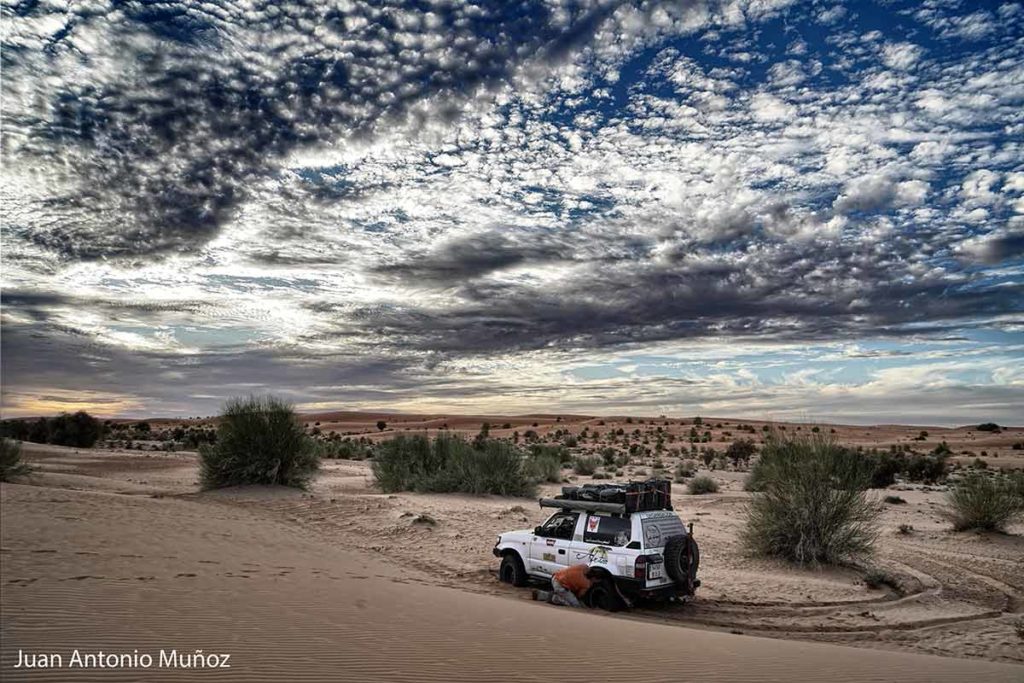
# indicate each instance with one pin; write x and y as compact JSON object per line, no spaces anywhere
{"x":640,"y":568}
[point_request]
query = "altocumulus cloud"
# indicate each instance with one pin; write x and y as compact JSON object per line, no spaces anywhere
{"x":463,"y":205}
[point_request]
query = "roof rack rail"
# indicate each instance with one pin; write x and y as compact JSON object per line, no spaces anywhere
{"x":585,"y":505}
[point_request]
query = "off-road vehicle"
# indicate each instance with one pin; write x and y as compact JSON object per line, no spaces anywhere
{"x":628,"y":532}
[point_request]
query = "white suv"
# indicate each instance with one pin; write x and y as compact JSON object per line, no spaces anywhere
{"x":648,"y":554}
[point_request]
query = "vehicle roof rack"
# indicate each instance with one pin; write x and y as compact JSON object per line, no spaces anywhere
{"x":584,"y":505}
{"x":633,"y":496}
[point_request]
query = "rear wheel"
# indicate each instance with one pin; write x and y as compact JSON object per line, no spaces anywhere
{"x":512,"y":570}
{"x":602,"y":595}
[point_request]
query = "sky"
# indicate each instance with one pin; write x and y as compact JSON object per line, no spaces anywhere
{"x":748,"y":208}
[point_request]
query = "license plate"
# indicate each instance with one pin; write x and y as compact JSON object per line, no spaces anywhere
{"x":655,"y":571}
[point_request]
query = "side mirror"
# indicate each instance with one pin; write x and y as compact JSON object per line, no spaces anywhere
{"x":538,"y":531}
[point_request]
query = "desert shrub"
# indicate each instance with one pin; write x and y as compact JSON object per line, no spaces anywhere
{"x":701,"y":485}
{"x":685,"y":470}
{"x":929,"y":469}
{"x":11,"y":464}
{"x":895,"y":500}
{"x":585,"y":465}
{"x":449,"y":464}
{"x":987,"y":503}
{"x":905,"y":529}
{"x":884,"y":468}
{"x":989,"y":427}
{"x":811,"y":507}
{"x":602,"y":475}
{"x":543,"y":467}
{"x":740,"y":451}
{"x":608,"y":455}
{"x":559,"y":452}
{"x":259,"y":441}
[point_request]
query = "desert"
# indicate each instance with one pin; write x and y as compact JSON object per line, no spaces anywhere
{"x":108,"y":549}
{"x":518,"y":340}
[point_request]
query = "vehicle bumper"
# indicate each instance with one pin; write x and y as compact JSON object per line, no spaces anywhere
{"x":634,"y":589}
{"x":497,"y":553}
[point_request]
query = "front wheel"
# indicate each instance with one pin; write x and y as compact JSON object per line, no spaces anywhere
{"x":512,"y":570}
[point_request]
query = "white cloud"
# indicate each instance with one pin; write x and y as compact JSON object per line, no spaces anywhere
{"x":901,"y":56}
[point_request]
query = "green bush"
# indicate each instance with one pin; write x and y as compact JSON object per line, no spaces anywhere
{"x":259,"y":441}
{"x":701,"y":485}
{"x":811,"y":507}
{"x":929,"y":469}
{"x":560,"y":453}
{"x":11,"y":464}
{"x":885,"y":466}
{"x":449,"y":464}
{"x":585,"y":465}
{"x":987,"y":503}
{"x":543,"y":467}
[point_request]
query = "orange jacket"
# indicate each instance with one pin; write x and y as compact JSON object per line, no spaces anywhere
{"x":574,"y":578}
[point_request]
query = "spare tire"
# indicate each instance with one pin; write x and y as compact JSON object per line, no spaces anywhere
{"x":682,"y":557}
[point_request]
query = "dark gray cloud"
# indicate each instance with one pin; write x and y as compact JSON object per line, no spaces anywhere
{"x":773,"y":292}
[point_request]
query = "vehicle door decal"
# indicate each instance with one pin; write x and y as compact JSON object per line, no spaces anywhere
{"x":597,"y":555}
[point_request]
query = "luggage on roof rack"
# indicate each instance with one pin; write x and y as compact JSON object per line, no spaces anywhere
{"x":636,"y":496}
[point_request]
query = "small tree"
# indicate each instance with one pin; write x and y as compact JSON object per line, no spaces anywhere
{"x":381,"y":425}
{"x":259,"y":441}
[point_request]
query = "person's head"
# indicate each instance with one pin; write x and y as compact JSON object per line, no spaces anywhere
{"x":592,"y":573}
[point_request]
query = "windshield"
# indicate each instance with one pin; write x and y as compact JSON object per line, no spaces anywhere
{"x":658,"y":529}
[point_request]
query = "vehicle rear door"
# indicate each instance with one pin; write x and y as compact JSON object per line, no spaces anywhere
{"x":549,"y":550}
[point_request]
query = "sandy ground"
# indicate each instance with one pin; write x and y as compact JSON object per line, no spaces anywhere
{"x":120,"y":551}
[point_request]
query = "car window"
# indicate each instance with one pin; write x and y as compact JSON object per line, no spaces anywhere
{"x":561,"y":525}
{"x":607,"y":530}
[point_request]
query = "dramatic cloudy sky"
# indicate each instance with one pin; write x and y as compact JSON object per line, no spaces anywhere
{"x":748,"y":207}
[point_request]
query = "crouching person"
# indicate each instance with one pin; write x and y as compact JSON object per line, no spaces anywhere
{"x":568,"y":586}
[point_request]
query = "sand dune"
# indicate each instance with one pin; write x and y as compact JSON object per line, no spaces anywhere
{"x":98,"y":570}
